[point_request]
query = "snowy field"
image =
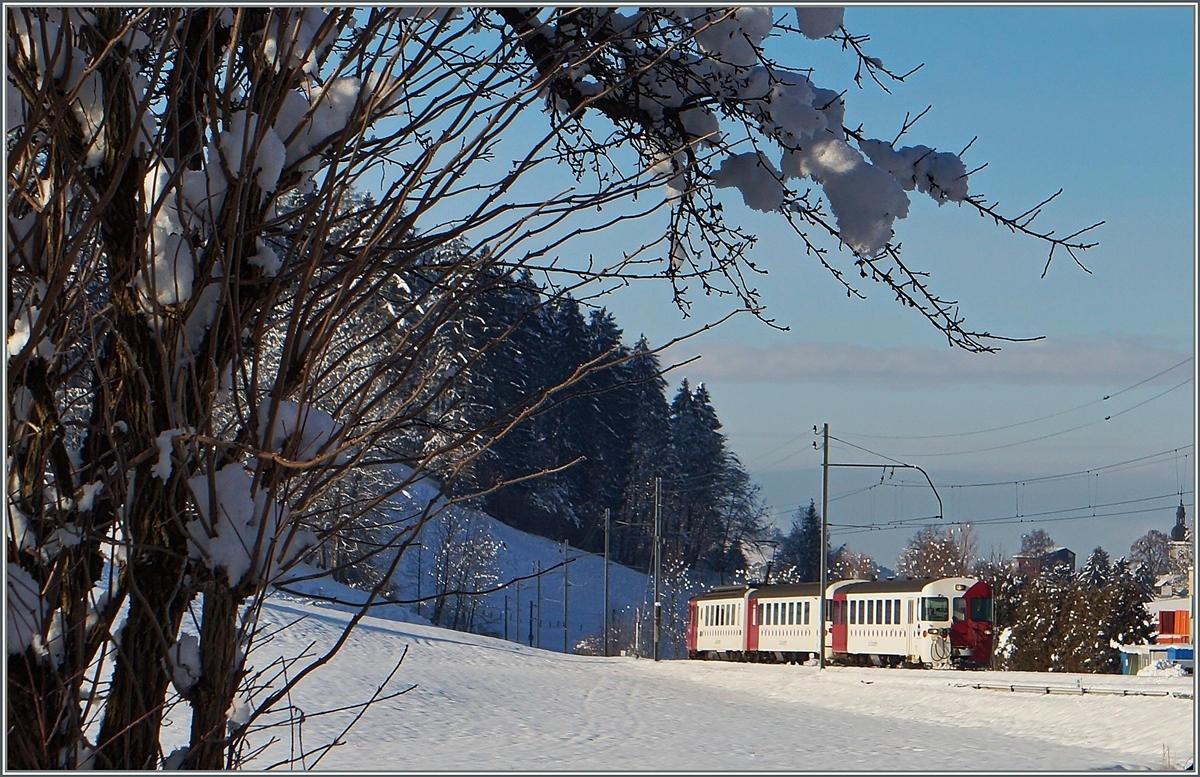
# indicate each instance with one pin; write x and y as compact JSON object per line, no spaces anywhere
{"x":479,"y":703}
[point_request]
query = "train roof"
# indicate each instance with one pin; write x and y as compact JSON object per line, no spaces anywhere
{"x":886,"y":586}
{"x":723,"y":592}
{"x":893,"y":586}
{"x":788,"y":589}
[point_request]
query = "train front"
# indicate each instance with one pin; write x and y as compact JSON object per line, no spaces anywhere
{"x":971,"y":631}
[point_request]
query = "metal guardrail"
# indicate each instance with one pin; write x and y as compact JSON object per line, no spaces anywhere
{"x":1078,"y":690}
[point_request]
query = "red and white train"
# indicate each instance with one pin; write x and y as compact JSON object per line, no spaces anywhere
{"x":911,"y":622}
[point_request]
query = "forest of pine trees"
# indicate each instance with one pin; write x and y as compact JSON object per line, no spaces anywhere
{"x":559,"y":460}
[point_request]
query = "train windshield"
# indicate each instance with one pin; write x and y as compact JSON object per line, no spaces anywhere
{"x":935,"y":608}
{"x":981,"y":609}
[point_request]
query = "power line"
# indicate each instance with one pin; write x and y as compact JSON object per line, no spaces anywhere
{"x":1032,"y":420}
{"x":788,"y":509}
{"x":1076,"y":473}
{"x":1014,"y":519}
{"x":1042,"y":478}
{"x":1051,"y":434}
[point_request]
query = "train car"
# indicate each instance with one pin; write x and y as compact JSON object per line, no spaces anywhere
{"x":717,"y":623}
{"x":896,"y":622}
{"x":783,"y":623}
{"x":915,"y":622}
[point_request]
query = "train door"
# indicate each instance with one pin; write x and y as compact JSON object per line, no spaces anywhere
{"x":752,"y":622}
{"x":838,"y":624}
{"x":910,"y":627}
{"x":693,"y":618}
{"x":973,"y":630}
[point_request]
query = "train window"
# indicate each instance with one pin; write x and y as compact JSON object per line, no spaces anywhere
{"x":806,"y":610}
{"x":887,"y":612}
{"x":935,"y":608}
{"x":878,"y":611}
{"x":760,"y":613}
{"x":960,"y":608}
{"x":981,"y":609}
{"x":791,"y":613}
{"x":910,"y":610}
{"x":870,"y":613}
{"x":896,"y":609}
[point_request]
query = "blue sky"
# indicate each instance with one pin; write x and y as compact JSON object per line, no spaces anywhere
{"x":1099,"y":101}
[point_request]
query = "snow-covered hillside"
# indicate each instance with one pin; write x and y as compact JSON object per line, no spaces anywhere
{"x":519,"y":556}
{"x":479,"y":703}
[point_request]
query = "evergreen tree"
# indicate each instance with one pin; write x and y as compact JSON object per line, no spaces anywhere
{"x":698,"y":482}
{"x":1130,"y":622}
{"x":651,"y":455}
{"x":801,"y":548}
{"x":1097,"y":570}
{"x":742,"y":523}
{"x":609,"y":400}
{"x":562,"y":427}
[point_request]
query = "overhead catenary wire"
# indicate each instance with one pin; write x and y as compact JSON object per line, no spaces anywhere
{"x":1105,"y":398}
{"x":1004,"y":520}
{"x":1115,"y":466}
{"x":1025,"y":516}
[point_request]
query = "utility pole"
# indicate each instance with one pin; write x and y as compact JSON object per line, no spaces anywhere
{"x":606,"y":582}
{"x":637,"y":632}
{"x":518,"y":612}
{"x":506,"y":617}
{"x":824,"y":541}
{"x":539,"y":605}
{"x":657,"y":570}
{"x":825,"y":514}
{"x":419,"y":602}
{"x":566,"y":588}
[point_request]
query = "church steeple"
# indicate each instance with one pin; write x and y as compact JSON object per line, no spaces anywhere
{"x":1179,"y":530}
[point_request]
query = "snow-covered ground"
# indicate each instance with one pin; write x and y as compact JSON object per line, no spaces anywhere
{"x":480,"y":703}
{"x":485,"y":703}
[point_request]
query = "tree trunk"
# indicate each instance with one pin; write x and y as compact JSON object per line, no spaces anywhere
{"x":212,"y":696}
